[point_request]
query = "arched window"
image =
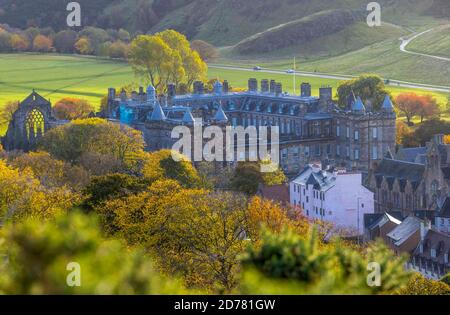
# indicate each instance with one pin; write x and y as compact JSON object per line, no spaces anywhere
{"x":34,"y":123}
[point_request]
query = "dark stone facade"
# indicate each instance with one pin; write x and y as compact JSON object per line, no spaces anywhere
{"x":311,"y":128}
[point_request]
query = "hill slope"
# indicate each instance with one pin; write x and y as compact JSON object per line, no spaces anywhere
{"x":222,"y":22}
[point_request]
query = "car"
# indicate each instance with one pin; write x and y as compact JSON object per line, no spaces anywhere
{"x":257,"y":68}
{"x":290,"y":71}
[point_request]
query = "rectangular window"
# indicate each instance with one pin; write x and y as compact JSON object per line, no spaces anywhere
{"x":338,"y":131}
{"x":307,"y":151}
{"x":348,"y":151}
{"x":375,"y":153}
{"x":328,"y":148}
{"x":356,"y":154}
{"x":348,"y":132}
{"x":356,"y":135}
{"x":375,"y":132}
{"x":338,"y":150}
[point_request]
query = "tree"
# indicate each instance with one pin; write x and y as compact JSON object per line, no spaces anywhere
{"x":151,"y":59}
{"x":118,"y":49}
{"x":426,"y":130}
{"x":162,"y":165}
{"x":270,"y":216}
{"x":40,"y":252}
{"x":42,"y":43}
{"x":207,"y":51}
{"x":83,"y":46}
{"x":31,"y":33}
{"x":248,"y":176}
{"x":419,"y":285}
{"x":166,"y":58}
{"x":73,"y":108}
{"x":402,"y":132}
{"x":193,"y":66}
{"x":370,"y":88}
{"x":95,"y":143}
{"x":429,"y":107}
{"x":5,"y":42}
{"x":410,"y":104}
{"x":19,"y":43}
{"x":22,"y":195}
{"x":124,"y":35}
{"x":287,"y":263}
{"x":96,"y":37}
{"x":50,"y":172}
{"x":64,"y":41}
{"x":7,"y":112}
{"x":192,"y":232}
{"x":112,"y":186}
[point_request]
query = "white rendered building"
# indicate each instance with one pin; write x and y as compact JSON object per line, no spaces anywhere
{"x":333,"y":196}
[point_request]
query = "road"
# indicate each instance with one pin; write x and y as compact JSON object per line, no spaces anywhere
{"x":406,"y":41}
{"x":413,"y":85}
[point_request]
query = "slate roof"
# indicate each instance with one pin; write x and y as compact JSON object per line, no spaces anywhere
{"x":437,"y":241}
{"x":410,"y":154}
{"x":188,"y":118}
{"x":404,"y":230}
{"x":321,"y":180}
{"x":401,"y":170}
{"x":444,"y":211}
{"x":220,"y":115}
{"x":278,"y":193}
{"x":158,"y":113}
{"x":387,"y":104}
{"x":371,"y":220}
{"x":358,"y":105}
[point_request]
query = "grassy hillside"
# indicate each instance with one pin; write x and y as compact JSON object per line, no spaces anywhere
{"x":349,"y":38}
{"x":435,"y":42}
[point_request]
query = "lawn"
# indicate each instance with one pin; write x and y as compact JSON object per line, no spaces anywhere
{"x":56,"y":76}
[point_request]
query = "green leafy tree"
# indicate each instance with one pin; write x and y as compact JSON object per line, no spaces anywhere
{"x":64,"y":41}
{"x":98,"y":145}
{"x":162,"y":165}
{"x":248,"y":176}
{"x":419,"y":285}
{"x":370,"y":88}
{"x":38,"y":254}
{"x":112,"y":186}
{"x":289,"y":264}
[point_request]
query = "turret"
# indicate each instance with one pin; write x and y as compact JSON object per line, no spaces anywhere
{"x":158,"y":113}
{"x":188,"y":118}
{"x":218,"y":87}
{"x":151,"y":93}
{"x":387,"y":106}
{"x":358,"y":107}
{"x":220,"y":115}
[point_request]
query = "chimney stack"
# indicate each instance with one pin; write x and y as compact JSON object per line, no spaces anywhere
{"x":198,"y":87}
{"x":305,"y":89}
{"x":111,"y":93}
{"x":226,"y":86}
{"x":265,"y":86}
{"x":272,"y":86}
{"x":252,"y":85}
{"x":278,"y":89}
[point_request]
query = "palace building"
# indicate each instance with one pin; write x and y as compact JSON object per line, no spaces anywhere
{"x":312,"y":128}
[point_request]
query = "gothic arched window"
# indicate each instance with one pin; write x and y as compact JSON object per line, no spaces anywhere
{"x":34,"y":123}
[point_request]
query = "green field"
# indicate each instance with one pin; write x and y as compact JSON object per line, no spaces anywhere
{"x":56,"y":76}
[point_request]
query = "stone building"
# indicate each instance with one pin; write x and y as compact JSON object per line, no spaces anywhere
{"x":414,"y":184}
{"x":30,"y":121}
{"x":311,"y":128}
